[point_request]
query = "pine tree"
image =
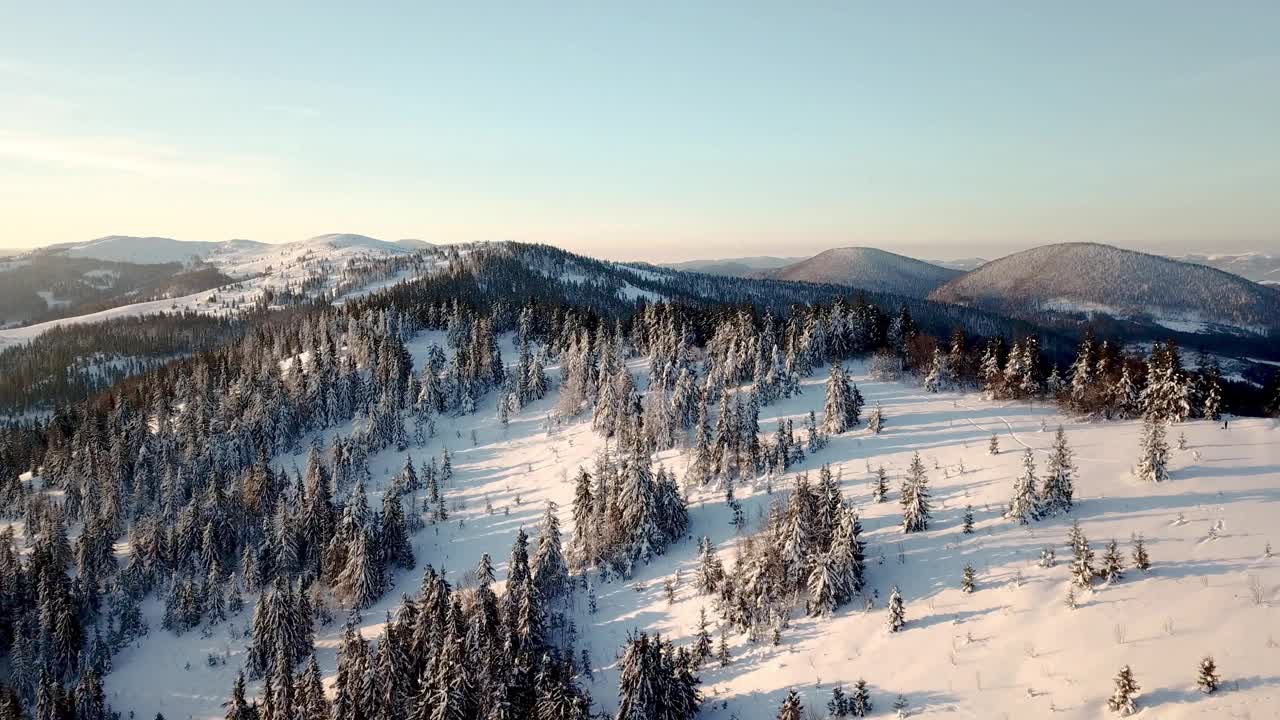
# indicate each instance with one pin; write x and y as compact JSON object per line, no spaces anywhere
{"x":722,"y":651}
{"x":966,"y":580}
{"x":1058,"y":492}
{"x":1070,"y":600}
{"x":967,"y":528}
{"x":1024,"y":506}
{"x":1082,"y":571}
{"x":936,"y":380}
{"x":238,"y":706}
{"x":880,"y":486}
{"x":823,"y":586}
{"x":791,"y":708}
{"x":1207,"y":679}
{"x":1112,"y":564}
{"x":915,"y":497}
{"x":1140,"y":558}
{"x":702,"y":641}
{"x":550,"y":573}
{"x":1122,"y":700}
{"x":1153,"y":465}
{"x":897,"y":611}
{"x":838,"y":705}
{"x":875,"y":423}
{"x":993,"y":447}
{"x":860,"y":701}
{"x":710,"y":570}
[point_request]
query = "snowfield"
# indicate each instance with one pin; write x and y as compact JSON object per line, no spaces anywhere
{"x":1011,"y":649}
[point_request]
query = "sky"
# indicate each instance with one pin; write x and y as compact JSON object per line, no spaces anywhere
{"x":659,"y":131}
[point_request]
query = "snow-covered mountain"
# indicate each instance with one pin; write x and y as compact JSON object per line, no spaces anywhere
{"x":734,"y":267}
{"x":162,"y":250}
{"x":1079,"y":280}
{"x":1259,"y":267}
{"x":868,"y":269}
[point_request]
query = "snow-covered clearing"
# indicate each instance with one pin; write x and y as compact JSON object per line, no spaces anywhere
{"x":1010,"y":649}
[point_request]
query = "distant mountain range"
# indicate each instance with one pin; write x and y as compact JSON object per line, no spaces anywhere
{"x":733,"y":267}
{"x":162,"y":250}
{"x":1054,"y":285}
{"x":1256,"y":266}
{"x":1083,"y":280}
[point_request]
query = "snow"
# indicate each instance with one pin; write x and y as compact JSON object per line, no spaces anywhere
{"x":143,"y":250}
{"x":1010,"y":649}
{"x":257,"y":268}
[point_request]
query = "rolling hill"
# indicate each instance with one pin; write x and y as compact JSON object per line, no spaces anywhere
{"x":868,"y":269}
{"x":734,"y":267}
{"x":1075,"y":281}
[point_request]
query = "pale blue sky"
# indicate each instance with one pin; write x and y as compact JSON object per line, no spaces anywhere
{"x":654,"y":130}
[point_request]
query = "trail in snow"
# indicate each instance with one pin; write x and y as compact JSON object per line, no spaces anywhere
{"x":1013,"y":434}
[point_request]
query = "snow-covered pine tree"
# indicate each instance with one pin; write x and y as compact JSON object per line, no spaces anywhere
{"x":1153,"y":464}
{"x":880,"y":486}
{"x":1112,"y":568}
{"x":1024,"y":506}
{"x":915,"y":497}
{"x":702,"y":640}
{"x":967,"y":527}
{"x":1082,"y":572}
{"x":875,"y":422}
{"x":549,"y":570}
{"x":1058,"y":492}
{"x":993,"y":447}
{"x":860,"y":700}
{"x":838,"y":705}
{"x":1207,"y":678}
{"x":897,"y":611}
{"x":843,"y":402}
{"x":935,"y":380}
{"x":791,"y":709}
{"x":1122,"y":700}
{"x":1167,"y":395}
{"x":847,"y":555}
{"x":1140,"y":558}
{"x":823,"y":585}
{"x":966,"y":579}
{"x":710,"y":569}
{"x":989,"y":371}
{"x":1082,"y":374}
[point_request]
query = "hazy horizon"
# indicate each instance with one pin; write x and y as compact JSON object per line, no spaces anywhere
{"x":938,"y":253}
{"x":712,"y":131}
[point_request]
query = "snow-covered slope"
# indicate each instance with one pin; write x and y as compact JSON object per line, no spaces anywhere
{"x":141,"y":250}
{"x":868,"y":269}
{"x":334,"y":266}
{"x":1081,"y":279}
{"x":1011,"y":649}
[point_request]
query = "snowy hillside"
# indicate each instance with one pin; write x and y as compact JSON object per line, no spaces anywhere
{"x":333,"y":266}
{"x":1078,"y":280}
{"x":868,"y":269}
{"x":1010,"y":649}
